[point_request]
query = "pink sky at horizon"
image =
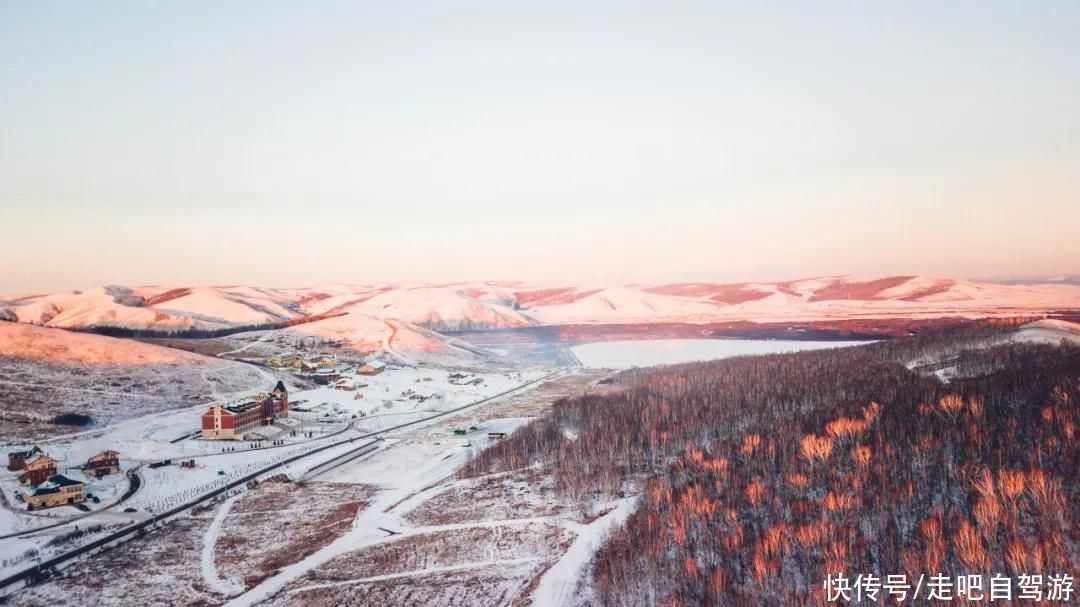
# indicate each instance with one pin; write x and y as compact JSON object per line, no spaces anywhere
{"x":553,"y":143}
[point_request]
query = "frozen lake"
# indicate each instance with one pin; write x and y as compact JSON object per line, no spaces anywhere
{"x":649,"y":352}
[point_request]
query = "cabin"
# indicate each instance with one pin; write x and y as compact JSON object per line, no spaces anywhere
{"x":38,"y":469}
{"x":57,"y":490}
{"x":233,"y":421}
{"x":420,"y":395}
{"x":324,"y":361}
{"x":17,"y":459}
{"x":324,"y":377}
{"x":280,"y":361}
{"x":371,"y":367}
{"x":348,"y":385}
{"x":103,"y":464}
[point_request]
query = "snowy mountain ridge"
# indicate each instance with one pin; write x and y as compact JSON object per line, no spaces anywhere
{"x":485,"y":305}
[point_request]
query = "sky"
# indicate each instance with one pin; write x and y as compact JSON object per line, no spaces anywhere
{"x":294,"y":144}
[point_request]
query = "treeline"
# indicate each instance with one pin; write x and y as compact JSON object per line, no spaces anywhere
{"x":759,"y":476}
{"x":945,"y":343}
{"x":196,"y":333}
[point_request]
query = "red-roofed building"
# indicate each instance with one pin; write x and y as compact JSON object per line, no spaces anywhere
{"x":232,"y":422}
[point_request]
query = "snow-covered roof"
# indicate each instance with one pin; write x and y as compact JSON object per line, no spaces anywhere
{"x":40,"y":456}
{"x":54,"y":484}
{"x":25,"y":454}
{"x":240,"y":407}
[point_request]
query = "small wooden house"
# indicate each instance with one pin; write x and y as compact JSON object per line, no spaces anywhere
{"x":103,"y":464}
{"x":324,"y":377}
{"x":17,"y":459}
{"x":39,"y":469}
{"x":325,"y":361}
{"x":371,"y":367}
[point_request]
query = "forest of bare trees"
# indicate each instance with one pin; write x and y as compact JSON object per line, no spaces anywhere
{"x":757,"y":477}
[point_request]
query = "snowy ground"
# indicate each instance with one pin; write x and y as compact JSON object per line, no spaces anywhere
{"x":1051,"y":332}
{"x":326,"y":414}
{"x":406,"y":390}
{"x":394,"y":526}
{"x":647,"y":353}
{"x":398,"y":552}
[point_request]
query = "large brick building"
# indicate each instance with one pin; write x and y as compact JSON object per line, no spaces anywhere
{"x":232,"y":421}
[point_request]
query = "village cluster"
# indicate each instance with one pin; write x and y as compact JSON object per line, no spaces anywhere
{"x":46,"y":487}
{"x":323,"y":369}
{"x":250,"y":418}
{"x":256,"y":419}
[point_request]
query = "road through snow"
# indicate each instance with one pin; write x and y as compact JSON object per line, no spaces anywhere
{"x":403,"y":486}
{"x":558,"y":584}
{"x":209,"y":570}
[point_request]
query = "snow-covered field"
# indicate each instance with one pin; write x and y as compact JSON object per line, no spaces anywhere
{"x":297,"y":542}
{"x":647,"y":353}
{"x":321,"y":416}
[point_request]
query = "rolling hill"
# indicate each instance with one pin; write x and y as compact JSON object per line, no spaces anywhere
{"x":48,"y":372}
{"x":486,"y":305}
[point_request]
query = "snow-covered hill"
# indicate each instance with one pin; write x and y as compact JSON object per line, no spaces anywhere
{"x":822,"y":298}
{"x":164,"y":308}
{"x":1051,"y":332}
{"x":27,"y":342}
{"x":438,"y":307}
{"x":483,"y":305}
{"x":46,"y":372}
{"x":390,"y":338}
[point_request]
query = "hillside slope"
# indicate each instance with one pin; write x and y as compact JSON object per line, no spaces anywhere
{"x":46,"y":372}
{"x":756,"y":478}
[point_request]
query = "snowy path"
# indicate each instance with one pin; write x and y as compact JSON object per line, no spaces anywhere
{"x":406,"y":479}
{"x":387,"y":511}
{"x":388,"y":343}
{"x":209,"y":571}
{"x":256,"y":341}
{"x":365,"y":527}
{"x":558,"y":584}
{"x":418,"y":572}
